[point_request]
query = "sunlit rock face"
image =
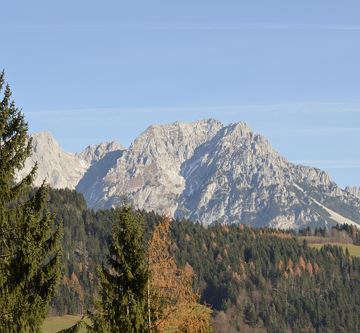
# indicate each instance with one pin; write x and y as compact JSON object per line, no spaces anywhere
{"x":203,"y":171}
{"x":58,"y":168}
{"x":149,"y":172}
{"x":355,"y":191}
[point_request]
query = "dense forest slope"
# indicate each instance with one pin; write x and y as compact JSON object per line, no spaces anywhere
{"x":255,"y":279}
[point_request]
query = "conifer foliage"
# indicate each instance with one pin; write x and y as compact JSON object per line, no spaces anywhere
{"x":123,"y":282}
{"x":29,"y":241}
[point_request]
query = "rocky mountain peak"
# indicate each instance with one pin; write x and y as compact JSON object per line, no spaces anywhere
{"x":239,"y":130}
{"x":149,"y":171}
{"x":176,"y":138}
{"x":57,"y":167}
{"x":202,"y":171}
{"x":355,"y":191}
{"x":94,"y":153}
{"x":44,"y":140}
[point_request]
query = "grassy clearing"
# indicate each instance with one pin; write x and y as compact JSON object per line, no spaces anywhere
{"x":354,"y":250}
{"x":318,"y":242}
{"x":55,"y":324}
{"x":313,"y":239}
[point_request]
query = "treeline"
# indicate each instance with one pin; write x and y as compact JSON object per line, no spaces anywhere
{"x":266,"y":279}
{"x":252,"y":278}
{"x":342,"y":233}
{"x":86,"y":240}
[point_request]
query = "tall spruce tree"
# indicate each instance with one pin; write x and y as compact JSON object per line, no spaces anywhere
{"x":123,"y":282}
{"x":29,"y":240}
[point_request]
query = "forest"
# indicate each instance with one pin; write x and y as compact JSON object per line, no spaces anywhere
{"x":253,"y":279}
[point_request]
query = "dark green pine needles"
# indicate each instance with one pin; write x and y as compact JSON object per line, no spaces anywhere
{"x":123,"y":282}
{"x":29,"y":240}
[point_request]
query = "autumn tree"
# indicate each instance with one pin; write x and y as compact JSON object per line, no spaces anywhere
{"x":172,"y":303}
{"x":29,"y":240}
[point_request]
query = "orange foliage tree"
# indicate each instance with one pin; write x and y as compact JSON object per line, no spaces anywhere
{"x":172,"y":303}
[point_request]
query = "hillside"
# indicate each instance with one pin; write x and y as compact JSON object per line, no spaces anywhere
{"x":254,"y":279}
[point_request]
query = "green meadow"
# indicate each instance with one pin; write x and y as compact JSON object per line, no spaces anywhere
{"x":354,"y":250}
{"x":55,"y":324}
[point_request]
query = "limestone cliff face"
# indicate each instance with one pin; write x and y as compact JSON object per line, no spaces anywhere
{"x":92,"y":154}
{"x":355,"y":191}
{"x":148,"y":173}
{"x":59,"y":168}
{"x":202,"y":171}
{"x":238,"y":176}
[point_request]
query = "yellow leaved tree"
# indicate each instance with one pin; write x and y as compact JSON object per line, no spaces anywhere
{"x":172,"y":303}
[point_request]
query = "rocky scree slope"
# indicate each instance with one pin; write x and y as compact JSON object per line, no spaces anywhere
{"x":203,"y":171}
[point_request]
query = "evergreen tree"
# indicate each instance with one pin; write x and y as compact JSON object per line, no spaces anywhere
{"x":29,"y":242}
{"x":123,"y":283}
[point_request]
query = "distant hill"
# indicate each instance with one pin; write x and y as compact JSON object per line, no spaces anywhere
{"x":203,"y":171}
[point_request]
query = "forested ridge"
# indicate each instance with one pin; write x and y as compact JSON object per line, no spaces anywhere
{"x":254,"y":279}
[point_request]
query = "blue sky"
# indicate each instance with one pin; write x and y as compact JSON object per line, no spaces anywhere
{"x":91,"y":71}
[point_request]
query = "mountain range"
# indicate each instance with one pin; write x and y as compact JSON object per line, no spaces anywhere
{"x":203,"y":171}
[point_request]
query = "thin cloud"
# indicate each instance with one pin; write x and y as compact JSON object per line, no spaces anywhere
{"x":281,"y":107}
{"x":185,"y":26}
{"x":237,"y":26}
{"x":330,"y":164}
{"x":321,"y":130}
